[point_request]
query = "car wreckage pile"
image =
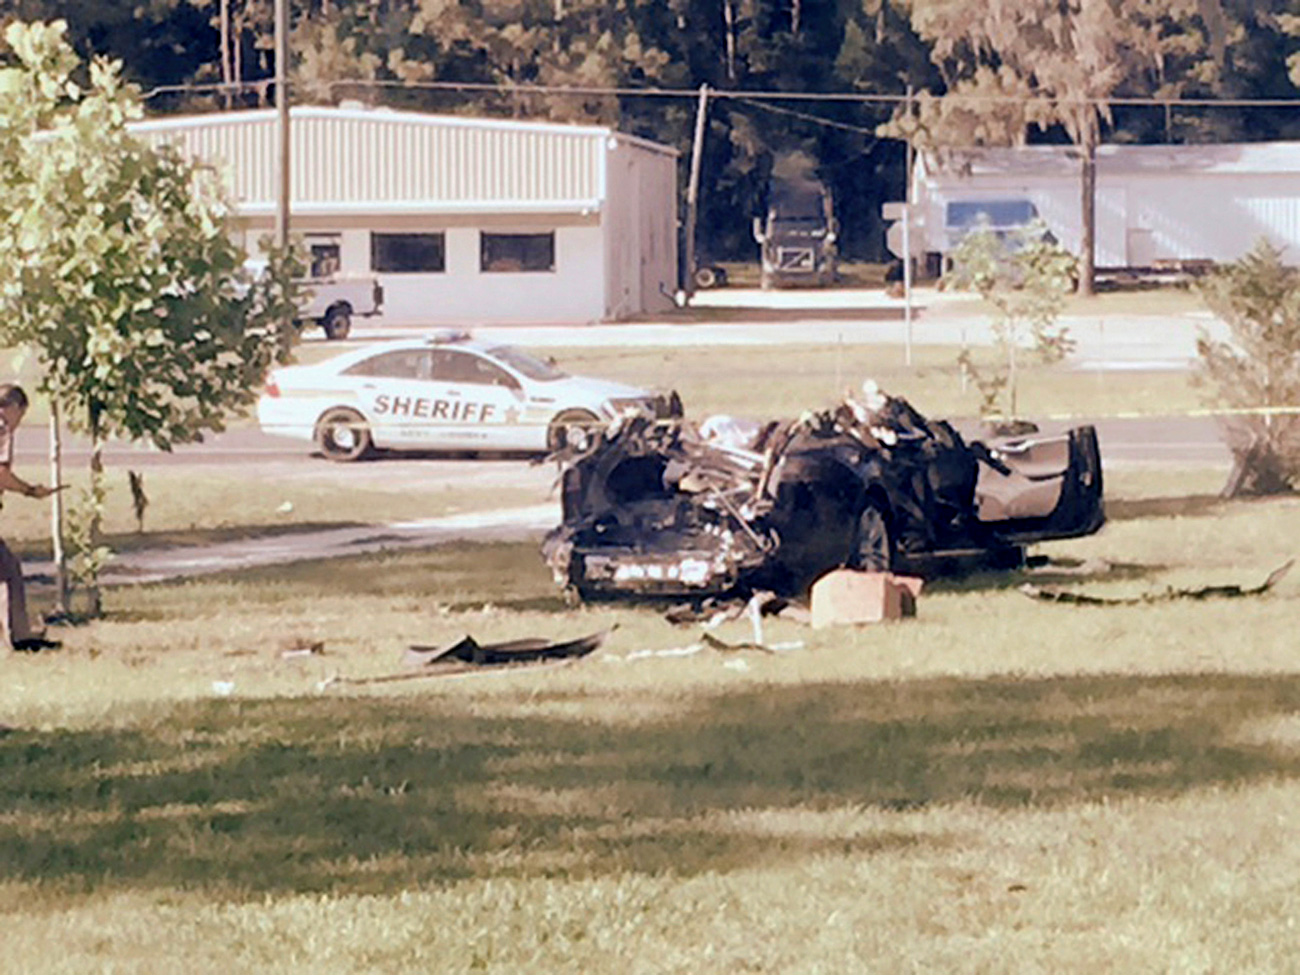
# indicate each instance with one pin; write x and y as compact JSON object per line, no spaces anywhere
{"x":660,"y":507}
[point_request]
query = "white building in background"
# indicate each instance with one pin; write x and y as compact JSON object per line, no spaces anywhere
{"x":1157,"y":206}
{"x":462,"y":219}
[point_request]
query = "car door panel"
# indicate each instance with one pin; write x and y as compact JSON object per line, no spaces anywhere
{"x":485,"y":403}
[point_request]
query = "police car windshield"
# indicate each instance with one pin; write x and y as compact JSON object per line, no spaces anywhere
{"x":531,"y":366}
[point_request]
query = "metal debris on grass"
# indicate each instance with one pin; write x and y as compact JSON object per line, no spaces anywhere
{"x":1165,"y":595}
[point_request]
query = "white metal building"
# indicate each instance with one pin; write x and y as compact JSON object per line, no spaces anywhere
{"x":1157,"y":206}
{"x":461,"y":219}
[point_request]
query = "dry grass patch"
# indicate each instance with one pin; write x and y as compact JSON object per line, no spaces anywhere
{"x":786,"y":380}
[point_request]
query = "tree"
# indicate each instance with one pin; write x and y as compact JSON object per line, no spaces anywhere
{"x":120,"y":272}
{"x":1049,"y":64}
{"x":1025,"y":277}
{"x":1256,"y":372}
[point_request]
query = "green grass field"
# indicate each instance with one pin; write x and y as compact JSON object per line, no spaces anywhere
{"x":999,"y":785}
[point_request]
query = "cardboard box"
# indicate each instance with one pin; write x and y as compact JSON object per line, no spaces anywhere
{"x":847,"y":596}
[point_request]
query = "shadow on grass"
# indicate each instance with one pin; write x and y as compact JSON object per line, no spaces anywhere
{"x":242,"y":798}
{"x":1053,"y":571}
{"x":1191,"y":506}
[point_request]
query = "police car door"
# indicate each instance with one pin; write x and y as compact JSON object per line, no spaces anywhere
{"x":483,"y":401}
{"x":396,"y":394}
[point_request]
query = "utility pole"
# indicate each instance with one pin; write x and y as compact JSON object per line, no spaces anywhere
{"x":282,"y":160}
{"x":693,"y":188}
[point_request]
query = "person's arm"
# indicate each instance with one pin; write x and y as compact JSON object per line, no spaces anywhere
{"x":9,"y":481}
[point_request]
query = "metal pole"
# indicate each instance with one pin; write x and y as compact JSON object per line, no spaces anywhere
{"x":693,"y":189}
{"x":62,"y":602}
{"x":282,"y":161}
{"x":907,"y":242}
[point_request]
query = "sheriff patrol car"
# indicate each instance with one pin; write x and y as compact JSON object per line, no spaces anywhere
{"x":445,"y":392}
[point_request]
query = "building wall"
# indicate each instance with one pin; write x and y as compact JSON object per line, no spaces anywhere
{"x":463,"y":292}
{"x":373,"y":160}
{"x":610,"y":200}
{"x":640,"y":230}
{"x":1215,"y":216}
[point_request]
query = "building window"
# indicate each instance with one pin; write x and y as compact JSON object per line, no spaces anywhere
{"x":408,"y":253}
{"x":1000,"y":216}
{"x":517,"y":252}
{"x":325,"y":256}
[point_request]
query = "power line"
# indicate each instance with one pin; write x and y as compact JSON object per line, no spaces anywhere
{"x":755,"y":96}
{"x":820,"y":120}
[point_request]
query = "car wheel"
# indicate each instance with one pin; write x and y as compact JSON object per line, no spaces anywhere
{"x":343,"y":435}
{"x":572,"y":428}
{"x":337,"y":322}
{"x":706,"y":278}
{"x":873,"y":548}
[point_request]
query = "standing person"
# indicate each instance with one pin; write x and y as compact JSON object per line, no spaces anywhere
{"x":13,"y":406}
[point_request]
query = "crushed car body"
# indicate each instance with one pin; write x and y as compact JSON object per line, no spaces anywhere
{"x":665,"y":508}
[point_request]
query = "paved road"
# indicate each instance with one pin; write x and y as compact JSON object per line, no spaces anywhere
{"x":850,"y":317}
{"x":1124,"y":443}
{"x":1179,"y":440}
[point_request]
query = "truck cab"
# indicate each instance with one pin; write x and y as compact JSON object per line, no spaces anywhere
{"x":796,"y":235}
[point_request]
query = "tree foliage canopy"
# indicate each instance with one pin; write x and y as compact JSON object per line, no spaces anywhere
{"x":1031,"y":69}
{"x":121,"y":272}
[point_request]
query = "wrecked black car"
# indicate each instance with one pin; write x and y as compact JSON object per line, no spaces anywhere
{"x":663,"y":508}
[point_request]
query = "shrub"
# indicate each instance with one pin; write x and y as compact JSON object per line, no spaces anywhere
{"x":1255,"y":373}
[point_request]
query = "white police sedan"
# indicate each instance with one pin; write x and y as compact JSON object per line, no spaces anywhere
{"x":447,"y":392}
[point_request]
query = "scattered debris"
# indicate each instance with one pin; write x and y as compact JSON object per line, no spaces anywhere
{"x":470,"y":651}
{"x":654,"y":508}
{"x":709,"y":640}
{"x":302,"y":647}
{"x":687,"y":651}
{"x":1165,"y":595}
{"x":223,"y":688}
{"x":467,"y":656}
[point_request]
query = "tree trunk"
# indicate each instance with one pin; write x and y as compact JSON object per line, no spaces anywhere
{"x":227,"y":71}
{"x":1088,"y":257}
{"x":94,"y":598}
{"x":729,"y":18}
{"x":62,"y":603}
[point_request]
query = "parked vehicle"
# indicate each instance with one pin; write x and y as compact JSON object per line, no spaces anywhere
{"x":660,"y":508}
{"x":796,"y":236}
{"x":332,"y":302}
{"x":446,"y":392}
{"x":329,"y":299}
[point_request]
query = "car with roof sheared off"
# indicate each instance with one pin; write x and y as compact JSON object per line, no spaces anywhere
{"x":446,"y":392}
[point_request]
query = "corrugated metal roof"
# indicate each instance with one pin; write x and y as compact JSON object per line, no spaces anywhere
{"x":1121,"y":160}
{"x":346,"y":159}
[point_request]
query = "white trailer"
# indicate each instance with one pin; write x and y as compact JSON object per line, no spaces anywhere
{"x":1157,"y":207}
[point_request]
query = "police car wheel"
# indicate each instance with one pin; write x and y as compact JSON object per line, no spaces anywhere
{"x":343,"y":435}
{"x":572,"y":428}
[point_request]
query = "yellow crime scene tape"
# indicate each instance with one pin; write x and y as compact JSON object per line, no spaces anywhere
{"x":1265,"y":411}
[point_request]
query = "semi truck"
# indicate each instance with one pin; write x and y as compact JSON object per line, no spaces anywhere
{"x":796,"y":235}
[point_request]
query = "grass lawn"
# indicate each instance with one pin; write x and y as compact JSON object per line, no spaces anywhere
{"x":999,"y":785}
{"x":204,"y":503}
{"x":766,"y":381}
